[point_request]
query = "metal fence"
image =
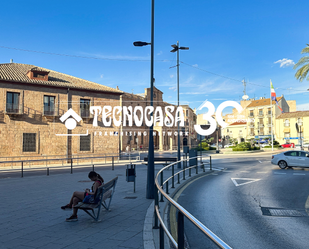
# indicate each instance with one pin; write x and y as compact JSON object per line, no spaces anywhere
{"x":181,"y":211}
{"x":68,"y":162}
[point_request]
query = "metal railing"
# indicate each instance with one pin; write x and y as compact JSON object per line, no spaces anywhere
{"x":70,"y":163}
{"x":182,"y":212}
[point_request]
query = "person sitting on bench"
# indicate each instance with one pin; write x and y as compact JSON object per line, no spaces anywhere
{"x":79,"y":196}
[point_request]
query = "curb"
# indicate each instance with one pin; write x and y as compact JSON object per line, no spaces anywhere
{"x":148,"y":231}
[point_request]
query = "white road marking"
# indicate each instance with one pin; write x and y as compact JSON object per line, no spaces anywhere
{"x":227,"y":171}
{"x":249,"y":180}
{"x":244,"y":171}
{"x":299,"y":174}
{"x":260,"y":161}
{"x":261,"y":172}
{"x":277,"y":173}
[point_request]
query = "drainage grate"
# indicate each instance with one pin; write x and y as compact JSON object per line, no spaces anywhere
{"x":281,"y":212}
{"x":130,"y":197}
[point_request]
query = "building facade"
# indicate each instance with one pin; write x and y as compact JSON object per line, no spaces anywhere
{"x":34,"y":99}
{"x":286,"y":130}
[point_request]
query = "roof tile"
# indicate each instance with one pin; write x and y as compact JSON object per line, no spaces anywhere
{"x":16,"y":72}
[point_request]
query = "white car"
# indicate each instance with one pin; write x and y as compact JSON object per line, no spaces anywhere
{"x":291,"y":158}
{"x":306,"y":145}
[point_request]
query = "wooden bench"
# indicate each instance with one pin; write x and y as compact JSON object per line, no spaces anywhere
{"x":104,"y":192}
{"x":167,"y":160}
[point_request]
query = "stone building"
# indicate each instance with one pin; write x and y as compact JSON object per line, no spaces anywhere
{"x":34,"y":99}
{"x":165,"y":138}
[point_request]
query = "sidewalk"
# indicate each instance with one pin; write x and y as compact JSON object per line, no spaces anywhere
{"x":31,"y":217}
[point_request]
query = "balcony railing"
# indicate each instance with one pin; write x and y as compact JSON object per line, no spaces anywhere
{"x":261,"y":114}
{"x":251,"y":115}
{"x":251,"y":134}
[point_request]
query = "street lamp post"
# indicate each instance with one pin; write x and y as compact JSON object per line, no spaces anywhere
{"x":298,"y":128}
{"x":150,"y":188}
{"x":259,"y":134}
{"x":176,"y":48}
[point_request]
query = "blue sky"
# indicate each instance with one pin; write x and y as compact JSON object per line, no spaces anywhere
{"x":234,"y":39}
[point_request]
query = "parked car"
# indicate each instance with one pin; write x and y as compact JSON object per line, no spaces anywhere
{"x":228,"y":145}
{"x":288,"y":145}
{"x":306,"y":145}
{"x":263,"y":145}
{"x":291,"y":158}
{"x":297,"y":147}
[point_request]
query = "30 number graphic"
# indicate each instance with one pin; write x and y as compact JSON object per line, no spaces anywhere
{"x":211,"y":111}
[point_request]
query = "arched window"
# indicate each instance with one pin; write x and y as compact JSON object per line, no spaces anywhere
{"x":286,"y":123}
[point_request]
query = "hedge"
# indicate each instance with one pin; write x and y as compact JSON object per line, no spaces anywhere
{"x":275,"y":146}
{"x":245,"y":149}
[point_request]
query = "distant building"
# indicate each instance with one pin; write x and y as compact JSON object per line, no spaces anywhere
{"x":286,"y":127}
{"x":236,"y":130}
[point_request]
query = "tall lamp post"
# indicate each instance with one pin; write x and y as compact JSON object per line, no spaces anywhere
{"x":298,"y":128}
{"x":150,"y":188}
{"x":176,"y":48}
{"x":258,"y":123}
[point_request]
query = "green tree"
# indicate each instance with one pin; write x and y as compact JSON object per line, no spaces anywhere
{"x":302,"y":72}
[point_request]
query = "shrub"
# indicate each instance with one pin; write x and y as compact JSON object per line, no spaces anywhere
{"x":275,"y":146}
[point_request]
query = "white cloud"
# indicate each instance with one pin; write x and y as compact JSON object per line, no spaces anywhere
{"x":160,"y":53}
{"x":285,"y":62}
{"x":172,"y":76}
{"x":101,"y":76}
{"x":303,"y":107}
{"x":195,"y":65}
{"x":172,"y":88}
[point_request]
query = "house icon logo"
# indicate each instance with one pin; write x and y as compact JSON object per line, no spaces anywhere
{"x":70,"y":123}
{"x":70,"y":119}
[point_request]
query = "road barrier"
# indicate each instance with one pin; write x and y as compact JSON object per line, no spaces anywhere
{"x":71,"y":162}
{"x":181,"y":211}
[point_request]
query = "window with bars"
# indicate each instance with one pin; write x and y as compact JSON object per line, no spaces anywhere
{"x":84,"y":108}
{"x":49,"y":105}
{"x":12,"y":102}
{"x":85,"y":143}
{"x":29,"y":142}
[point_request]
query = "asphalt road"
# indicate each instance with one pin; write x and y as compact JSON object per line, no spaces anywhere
{"x":241,"y":205}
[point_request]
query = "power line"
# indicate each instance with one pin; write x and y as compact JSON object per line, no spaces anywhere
{"x":114,"y":59}
{"x":76,"y":56}
{"x":238,"y":80}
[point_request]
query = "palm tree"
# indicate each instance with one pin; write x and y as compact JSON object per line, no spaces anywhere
{"x":302,"y":72}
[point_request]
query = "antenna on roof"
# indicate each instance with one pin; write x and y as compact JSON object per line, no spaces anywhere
{"x":245,"y":97}
{"x":11,"y":60}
